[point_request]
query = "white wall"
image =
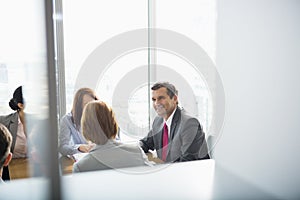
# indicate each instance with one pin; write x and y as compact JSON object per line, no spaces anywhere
{"x":258,"y":58}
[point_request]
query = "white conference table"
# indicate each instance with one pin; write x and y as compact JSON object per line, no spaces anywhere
{"x":202,"y":179}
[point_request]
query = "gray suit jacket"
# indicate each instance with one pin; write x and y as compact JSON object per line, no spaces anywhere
{"x":11,"y":123}
{"x":186,"y":142}
{"x":112,"y":155}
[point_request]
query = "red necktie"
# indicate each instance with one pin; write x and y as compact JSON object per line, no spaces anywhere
{"x":165,"y":142}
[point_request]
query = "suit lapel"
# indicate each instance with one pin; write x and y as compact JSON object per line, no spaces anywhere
{"x":174,"y":127}
{"x":158,"y":132}
{"x":175,"y":120}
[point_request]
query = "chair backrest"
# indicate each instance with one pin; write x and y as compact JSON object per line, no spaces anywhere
{"x":210,"y":145}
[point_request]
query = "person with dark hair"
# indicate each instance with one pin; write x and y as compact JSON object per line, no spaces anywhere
{"x":5,"y":144}
{"x":100,"y":127}
{"x":15,"y":123}
{"x":175,"y":135}
{"x":70,"y":139}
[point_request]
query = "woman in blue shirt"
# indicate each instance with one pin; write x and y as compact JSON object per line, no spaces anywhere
{"x":70,"y":139}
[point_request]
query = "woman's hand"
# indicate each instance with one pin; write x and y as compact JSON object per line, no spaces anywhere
{"x":85,"y":148}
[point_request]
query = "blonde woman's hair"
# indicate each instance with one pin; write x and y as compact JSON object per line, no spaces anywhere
{"x":98,"y":122}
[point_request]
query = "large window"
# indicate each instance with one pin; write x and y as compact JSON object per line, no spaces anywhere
{"x":121,"y":52}
{"x":22,"y":48}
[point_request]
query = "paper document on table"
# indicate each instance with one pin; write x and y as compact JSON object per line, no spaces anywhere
{"x":78,"y":156}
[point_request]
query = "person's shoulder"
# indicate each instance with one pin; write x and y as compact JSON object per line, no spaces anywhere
{"x":66,"y":118}
{"x":186,"y":114}
{"x":66,"y":121}
{"x":129,"y":147}
{"x":188,"y":117}
{"x":9,"y":117}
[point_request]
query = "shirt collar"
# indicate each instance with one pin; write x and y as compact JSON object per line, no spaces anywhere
{"x":169,"y":120}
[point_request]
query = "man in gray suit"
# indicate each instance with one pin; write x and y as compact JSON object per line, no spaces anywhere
{"x":176,"y":136}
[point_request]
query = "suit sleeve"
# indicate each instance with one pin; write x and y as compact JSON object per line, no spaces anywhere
{"x":147,"y":142}
{"x":194,"y":145}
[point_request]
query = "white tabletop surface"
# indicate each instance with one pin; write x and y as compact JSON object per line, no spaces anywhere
{"x":189,"y":180}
